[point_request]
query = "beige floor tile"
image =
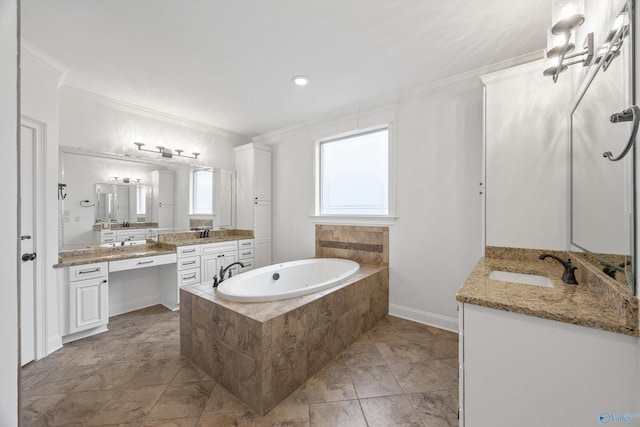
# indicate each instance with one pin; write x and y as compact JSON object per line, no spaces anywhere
{"x":61,"y":380}
{"x":390,"y":411}
{"x":337,"y":414}
{"x":374,"y":381}
{"x":236,"y":419}
{"x":361,"y":354}
{"x":438,"y":408}
{"x":221,"y":401}
{"x":285,"y":415}
{"x":156,"y":372}
{"x":182,"y":400}
{"x":180,"y":422}
{"x":75,"y":408}
{"x":424,"y":376}
{"x":109,"y":377}
{"x":329,"y":385}
{"x":128,"y":405}
{"x":190,"y":373}
{"x":34,"y":406}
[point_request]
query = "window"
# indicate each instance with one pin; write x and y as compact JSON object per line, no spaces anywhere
{"x":354,"y":174}
{"x":202,"y":192}
{"x":141,"y":198}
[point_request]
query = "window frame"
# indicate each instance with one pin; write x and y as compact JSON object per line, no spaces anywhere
{"x":356,"y":219}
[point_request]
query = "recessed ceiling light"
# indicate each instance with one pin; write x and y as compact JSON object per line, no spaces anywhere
{"x":300,"y":80}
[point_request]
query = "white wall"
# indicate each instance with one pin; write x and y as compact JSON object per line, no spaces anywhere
{"x":100,"y":124}
{"x":39,"y":102}
{"x":436,"y":240}
{"x":9,"y":251}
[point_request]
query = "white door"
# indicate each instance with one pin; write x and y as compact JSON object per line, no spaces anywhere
{"x":27,"y":244}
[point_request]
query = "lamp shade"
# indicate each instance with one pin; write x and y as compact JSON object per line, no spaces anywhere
{"x":556,"y":42}
{"x":566,"y":15}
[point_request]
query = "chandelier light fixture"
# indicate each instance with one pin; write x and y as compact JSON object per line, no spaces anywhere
{"x":167,"y":152}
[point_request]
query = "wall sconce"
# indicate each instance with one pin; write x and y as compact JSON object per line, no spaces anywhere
{"x":166,"y":152}
{"x":567,"y":15}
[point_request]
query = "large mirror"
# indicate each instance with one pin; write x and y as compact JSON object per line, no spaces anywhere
{"x":602,"y":196}
{"x":106,"y":191}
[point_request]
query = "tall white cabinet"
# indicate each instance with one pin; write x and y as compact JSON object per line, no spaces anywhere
{"x":163,"y":183}
{"x":253,"y":204}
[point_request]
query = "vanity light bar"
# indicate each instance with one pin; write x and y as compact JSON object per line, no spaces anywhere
{"x":167,"y":152}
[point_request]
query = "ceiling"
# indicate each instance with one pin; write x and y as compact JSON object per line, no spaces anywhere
{"x":228,"y":63}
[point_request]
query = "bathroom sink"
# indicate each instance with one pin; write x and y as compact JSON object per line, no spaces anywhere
{"x":522,"y":278}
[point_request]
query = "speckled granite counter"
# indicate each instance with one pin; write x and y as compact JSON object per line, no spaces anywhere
{"x":593,"y":303}
{"x":88,"y":256}
{"x":216,"y":236}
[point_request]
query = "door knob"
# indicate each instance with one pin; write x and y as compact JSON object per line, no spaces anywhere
{"x":29,"y":257}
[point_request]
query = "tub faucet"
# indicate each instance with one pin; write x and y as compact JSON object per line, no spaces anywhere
{"x":223,"y":272}
{"x":568,"y":276}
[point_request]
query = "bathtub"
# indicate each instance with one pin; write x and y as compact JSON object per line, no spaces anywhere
{"x":287,"y":280}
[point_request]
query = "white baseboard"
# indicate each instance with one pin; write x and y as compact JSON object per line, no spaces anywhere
{"x":424,"y":317}
{"x":83,"y":334}
{"x":53,"y":344}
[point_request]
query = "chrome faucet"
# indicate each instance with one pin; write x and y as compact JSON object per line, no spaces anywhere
{"x":568,"y":276}
{"x":223,"y":272}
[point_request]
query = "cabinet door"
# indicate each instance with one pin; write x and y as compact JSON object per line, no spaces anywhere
{"x":262,"y":252}
{"x":209,"y":267}
{"x":262,"y":175}
{"x":165,"y":189}
{"x":262,"y":220}
{"x":88,"y":304}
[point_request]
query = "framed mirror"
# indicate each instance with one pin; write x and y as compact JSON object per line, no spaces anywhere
{"x":602,"y":190}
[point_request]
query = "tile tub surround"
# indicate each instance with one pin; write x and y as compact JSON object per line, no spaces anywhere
{"x":88,"y":256}
{"x":262,"y":352}
{"x":592,"y":303}
{"x":215,"y":236}
{"x":365,"y":245}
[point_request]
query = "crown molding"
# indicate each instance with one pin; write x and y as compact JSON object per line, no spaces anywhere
{"x":31,"y":51}
{"x":472,"y":77}
{"x":151,"y":113}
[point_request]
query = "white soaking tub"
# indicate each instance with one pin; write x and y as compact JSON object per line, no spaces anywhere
{"x":287,"y":280}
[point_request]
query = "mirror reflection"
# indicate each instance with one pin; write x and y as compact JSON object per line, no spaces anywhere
{"x":602,"y":190}
{"x":121,"y":202}
{"x":109,"y":192}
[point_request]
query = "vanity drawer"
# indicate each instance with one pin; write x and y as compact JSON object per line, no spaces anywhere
{"x":88,"y":271}
{"x":219,"y":247}
{"x":188,"y":277}
{"x":245,"y":253}
{"x":152,"y":234}
{"x":190,"y":262}
{"x":188,"y":251}
{"x":134,"y":263}
{"x":248,"y":265}
{"x":245,"y":244}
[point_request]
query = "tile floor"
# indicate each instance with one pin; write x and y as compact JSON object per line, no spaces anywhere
{"x":399,"y":373}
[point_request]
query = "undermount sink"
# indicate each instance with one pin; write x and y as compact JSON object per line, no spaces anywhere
{"x":522,"y":278}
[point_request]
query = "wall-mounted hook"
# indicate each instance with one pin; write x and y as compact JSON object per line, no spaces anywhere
{"x":61,"y":193}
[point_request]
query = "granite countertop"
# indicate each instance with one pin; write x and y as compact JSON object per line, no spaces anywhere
{"x":88,"y":256}
{"x":216,"y":236}
{"x":575,"y":304}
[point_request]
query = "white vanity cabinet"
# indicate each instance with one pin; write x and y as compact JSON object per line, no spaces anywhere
{"x":88,"y":297}
{"x":218,"y":255}
{"x":528,"y":371}
{"x":253,"y":205}
{"x":131,"y":234}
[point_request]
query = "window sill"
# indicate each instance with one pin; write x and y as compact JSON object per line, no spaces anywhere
{"x":353,"y":219}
